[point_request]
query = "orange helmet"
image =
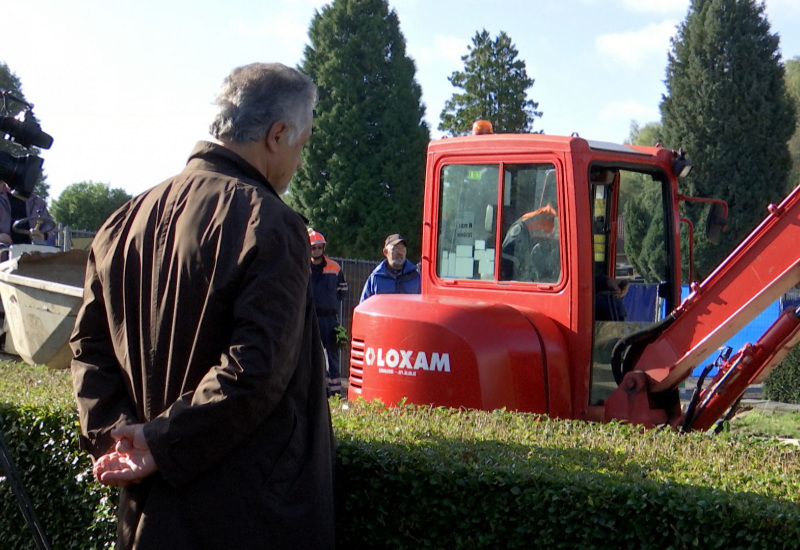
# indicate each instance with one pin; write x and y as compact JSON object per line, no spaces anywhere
{"x":482,"y":127}
{"x":315,"y":237}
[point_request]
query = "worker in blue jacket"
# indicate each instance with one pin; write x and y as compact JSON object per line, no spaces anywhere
{"x":330,"y":288}
{"x":395,"y":274}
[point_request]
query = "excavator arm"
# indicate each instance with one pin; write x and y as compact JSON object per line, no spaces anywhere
{"x":764,"y":266}
{"x":750,"y":365}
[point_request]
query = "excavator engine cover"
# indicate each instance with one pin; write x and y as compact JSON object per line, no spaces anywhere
{"x":451,"y":352}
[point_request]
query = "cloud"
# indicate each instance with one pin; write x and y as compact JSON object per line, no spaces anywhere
{"x":682,"y":6}
{"x":289,"y":21}
{"x":783,"y":5}
{"x":403,"y":5}
{"x":627,"y":110}
{"x":634,"y":48}
{"x":444,"y":51}
{"x":657,"y":6}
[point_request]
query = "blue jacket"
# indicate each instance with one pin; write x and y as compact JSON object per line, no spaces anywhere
{"x":35,"y":207}
{"x":383,"y":280}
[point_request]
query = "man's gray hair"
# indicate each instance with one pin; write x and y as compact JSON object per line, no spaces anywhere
{"x":256,"y":96}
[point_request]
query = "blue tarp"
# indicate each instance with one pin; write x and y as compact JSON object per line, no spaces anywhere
{"x":641,"y":302}
{"x":749,"y":334}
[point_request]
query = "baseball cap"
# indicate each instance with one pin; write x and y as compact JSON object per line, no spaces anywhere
{"x":393,"y":239}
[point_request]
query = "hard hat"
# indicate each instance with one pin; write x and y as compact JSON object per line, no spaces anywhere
{"x":482,"y":127}
{"x":315,"y":237}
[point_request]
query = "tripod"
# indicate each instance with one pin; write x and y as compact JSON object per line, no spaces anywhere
{"x":9,"y":467}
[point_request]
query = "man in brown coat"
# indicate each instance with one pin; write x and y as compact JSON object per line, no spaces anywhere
{"x":198,"y":367}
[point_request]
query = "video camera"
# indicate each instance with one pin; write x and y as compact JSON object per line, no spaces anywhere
{"x":21,"y":173}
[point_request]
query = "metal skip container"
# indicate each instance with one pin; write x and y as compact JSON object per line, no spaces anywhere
{"x":41,"y":295}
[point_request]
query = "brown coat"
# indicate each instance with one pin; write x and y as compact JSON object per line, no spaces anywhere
{"x":198,"y":320}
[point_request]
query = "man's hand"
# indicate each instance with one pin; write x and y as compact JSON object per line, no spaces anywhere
{"x":618,"y":286}
{"x":129,"y":462}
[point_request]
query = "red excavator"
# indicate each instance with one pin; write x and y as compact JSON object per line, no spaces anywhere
{"x":521,"y":262}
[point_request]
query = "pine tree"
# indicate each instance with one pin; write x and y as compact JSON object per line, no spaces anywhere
{"x":726,"y":104}
{"x":495,"y":84}
{"x":793,"y":88}
{"x":643,"y":211}
{"x":364,"y":166}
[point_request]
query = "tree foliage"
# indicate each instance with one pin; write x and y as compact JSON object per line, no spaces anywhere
{"x":783,"y":383}
{"x":643,"y":211}
{"x":363,"y":169}
{"x":495,"y":83}
{"x":11,"y":83}
{"x":648,"y":135}
{"x":86,"y":205}
{"x":726,"y":104}
{"x":793,"y":88}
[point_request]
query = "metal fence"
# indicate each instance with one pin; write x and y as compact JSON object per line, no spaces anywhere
{"x":67,"y":239}
{"x":356,"y":273}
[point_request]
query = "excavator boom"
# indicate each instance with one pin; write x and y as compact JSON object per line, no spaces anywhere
{"x":764,"y":266}
{"x":749,"y":366}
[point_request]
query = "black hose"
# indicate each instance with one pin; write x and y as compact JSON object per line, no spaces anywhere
{"x":688,"y":419}
{"x":731,"y":413}
{"x":691,"y":410}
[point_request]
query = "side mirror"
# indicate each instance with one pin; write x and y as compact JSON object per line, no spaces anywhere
{"x":716,"y":221}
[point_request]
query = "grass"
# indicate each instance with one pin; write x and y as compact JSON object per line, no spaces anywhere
{"x":39,"y":385}
{"x":776,"y":424}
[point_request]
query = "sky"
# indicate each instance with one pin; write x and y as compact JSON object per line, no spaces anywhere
{"x":126,"y":88}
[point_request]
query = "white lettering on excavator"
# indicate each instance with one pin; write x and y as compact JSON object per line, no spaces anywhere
{"x":406,"y":360}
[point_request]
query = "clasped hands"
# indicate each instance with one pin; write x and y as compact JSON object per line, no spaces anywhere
{"x":130,"y":461}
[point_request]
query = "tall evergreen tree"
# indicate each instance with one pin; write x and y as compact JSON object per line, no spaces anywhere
{"x":643,"y":211}
{"x":11,"y":83}
{"x":793,"y":87}
{"x":495,"y":83}
{"x":726,"y":104}
{"x":363,"y":169}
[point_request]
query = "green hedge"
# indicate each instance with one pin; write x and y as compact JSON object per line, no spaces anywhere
{"x":40,"y":427}
{"x":415,"y":477}
{"x":783,"y":383}
{"x":75,"y":511}
{"x":419,"y":478}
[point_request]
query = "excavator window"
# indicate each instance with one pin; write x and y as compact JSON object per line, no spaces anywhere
{"x":466,"y":239}
{"x":528,"y":240}
{"x":531,"y":245}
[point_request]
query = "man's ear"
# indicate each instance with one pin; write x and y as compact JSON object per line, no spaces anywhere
{"x":278,"y":135}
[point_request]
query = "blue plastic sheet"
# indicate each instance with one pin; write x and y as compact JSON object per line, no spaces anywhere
{"x":749,"y":334}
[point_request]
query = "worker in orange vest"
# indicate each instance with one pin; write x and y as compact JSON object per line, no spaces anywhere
{"x":330,"y":288}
